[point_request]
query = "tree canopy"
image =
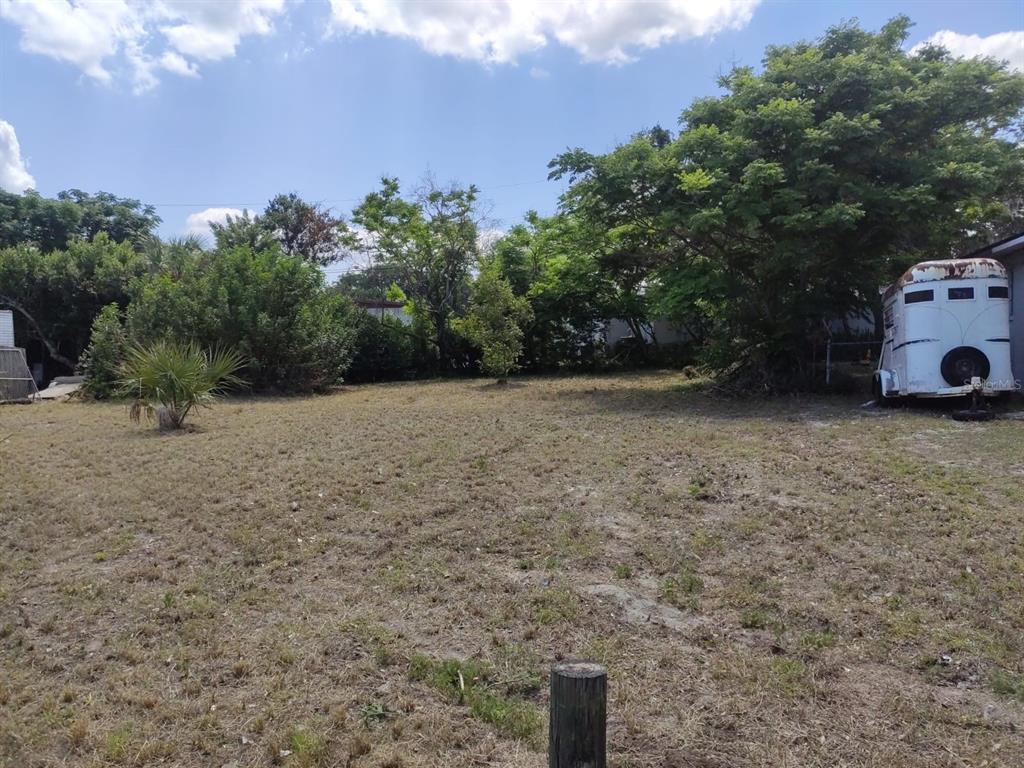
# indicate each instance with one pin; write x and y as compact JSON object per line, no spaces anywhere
{"x":51,"y":224}
{"x":789,"y":199}
{"x":57,"y":294}
{"x":429,"y":242}
{"x":301,"y":228}
{"x":772,"y":210}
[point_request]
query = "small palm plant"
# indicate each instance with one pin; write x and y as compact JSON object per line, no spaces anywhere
{"x":169,"y":379}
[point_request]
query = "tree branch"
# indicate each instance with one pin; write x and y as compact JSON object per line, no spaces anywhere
{"x":37,"y":331}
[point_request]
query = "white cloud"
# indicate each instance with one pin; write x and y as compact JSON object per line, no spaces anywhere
{"x":1004,"y":46}
{"x":199,"y":223}
{"x":14,"y":176}
{"x":499,"y":31}
{"x":211,"y":30}
{"x":178,"y":64}
{"x":539,"y":73}
{"x":84,"y":34}
{"x":141,"y":39}
{"x":100,"y":37}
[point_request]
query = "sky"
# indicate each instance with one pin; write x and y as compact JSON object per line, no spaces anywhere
{"x":205,"y":107}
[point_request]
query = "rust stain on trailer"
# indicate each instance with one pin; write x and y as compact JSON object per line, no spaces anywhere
{"x":947,"y":269}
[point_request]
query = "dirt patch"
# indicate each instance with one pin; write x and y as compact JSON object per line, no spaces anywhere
{"x":643,"y":611}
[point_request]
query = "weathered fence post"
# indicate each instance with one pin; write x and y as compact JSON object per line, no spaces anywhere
{"x":579,"y":691}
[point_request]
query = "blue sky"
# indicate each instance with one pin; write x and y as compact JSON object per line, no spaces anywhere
{"x":221,"y":105}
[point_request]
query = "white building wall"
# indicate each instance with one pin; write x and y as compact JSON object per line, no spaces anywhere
{"x":6,"y":328}
{"x":398,"y":313}
{"x":667,"y":332}
{"x":1016,"y":273}
{"x":857,"y":323}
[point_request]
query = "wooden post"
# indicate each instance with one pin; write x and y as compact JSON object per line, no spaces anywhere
{"x":579,"y":691}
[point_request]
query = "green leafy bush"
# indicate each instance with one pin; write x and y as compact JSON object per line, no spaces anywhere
{"x":58,"y":294}
{"x":384,"y":350}
{"x":273,"y":309}
{"x":101,"y":362}
{"x":495,"y":323}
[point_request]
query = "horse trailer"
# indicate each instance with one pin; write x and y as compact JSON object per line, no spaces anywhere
{"x":947,"y":332}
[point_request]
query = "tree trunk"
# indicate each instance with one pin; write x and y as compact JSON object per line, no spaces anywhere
{"x":444,"y":346}
{"x":635,"y":325}
{"x":166,"y":419}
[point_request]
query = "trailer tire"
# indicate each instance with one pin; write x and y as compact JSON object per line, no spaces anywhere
{"x":961,"y":364}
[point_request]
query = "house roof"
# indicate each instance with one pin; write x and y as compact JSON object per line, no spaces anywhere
{"x":379,"y":304}
{"x":1001,"y":249}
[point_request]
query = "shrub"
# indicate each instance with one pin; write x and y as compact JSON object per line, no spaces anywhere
{"x":170,"y":379}
{"x":384,"y":350}
{"x":101,"y":362}
{"x":274,"y":309}
{"x":495,"y":323}
{"x":325,"y":336}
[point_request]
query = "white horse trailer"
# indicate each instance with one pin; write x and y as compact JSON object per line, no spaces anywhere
{"x":947,"y":331}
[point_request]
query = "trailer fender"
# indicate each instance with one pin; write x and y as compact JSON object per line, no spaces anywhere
{"x":886,"y":384}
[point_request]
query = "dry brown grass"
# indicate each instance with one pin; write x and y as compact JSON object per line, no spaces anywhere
{"x":785,"y":583}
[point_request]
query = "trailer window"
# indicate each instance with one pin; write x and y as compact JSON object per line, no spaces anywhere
{"x":960,"y":294}
{"x":916,"y":297}
{"x":998,"y":292}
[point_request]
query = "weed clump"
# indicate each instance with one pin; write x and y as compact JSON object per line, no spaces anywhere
{"x":474,"y":684}
{"x":681,"y":588}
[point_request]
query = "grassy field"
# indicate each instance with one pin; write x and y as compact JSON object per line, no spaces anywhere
{"x":382,"y":577}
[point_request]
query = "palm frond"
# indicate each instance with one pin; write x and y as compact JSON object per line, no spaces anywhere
{"x":177,"y":377}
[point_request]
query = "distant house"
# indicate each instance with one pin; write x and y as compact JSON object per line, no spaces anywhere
{"x":617,"y":330}
{"x":6,"y":328}
{"x":16,"y":383}
{"x":380,"y":308}
{"x":1010,"y":252}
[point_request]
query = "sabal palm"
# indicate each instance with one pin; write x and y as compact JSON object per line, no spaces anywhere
{"x":170,"y":379}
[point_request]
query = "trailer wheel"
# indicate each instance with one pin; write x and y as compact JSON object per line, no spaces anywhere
{"x":962,"y":364}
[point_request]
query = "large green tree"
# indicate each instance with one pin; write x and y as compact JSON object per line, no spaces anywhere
{"x":57,"y":294}
{"x":789,"y":199}
{"x":303,"y":229}
{"x":554,"y":263}
{"x":124,"y":219}
{"x":428,"y":242}
{"x":51,"y":224}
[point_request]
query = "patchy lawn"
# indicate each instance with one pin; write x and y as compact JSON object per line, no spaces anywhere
{"x":382,"y":577}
